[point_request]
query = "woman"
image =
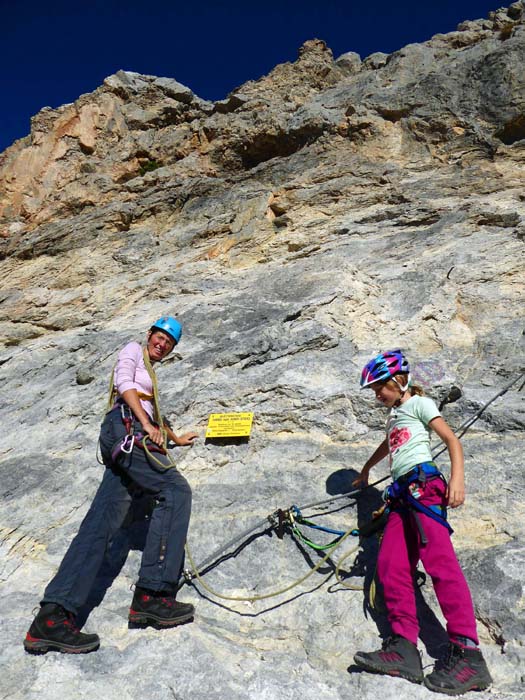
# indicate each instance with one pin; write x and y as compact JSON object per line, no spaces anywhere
{"x":132,"y":441}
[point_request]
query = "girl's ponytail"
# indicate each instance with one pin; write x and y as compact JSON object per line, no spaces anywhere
{"x":414,"y":390}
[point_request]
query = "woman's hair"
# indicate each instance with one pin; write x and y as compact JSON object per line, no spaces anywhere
{"x":414,"y":389}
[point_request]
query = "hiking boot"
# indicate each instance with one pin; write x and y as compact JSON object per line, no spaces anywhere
{"x":53,"y":629}
{"x":397,"y":657}
{"x":158,"y":609}
{"x":462,"y":669}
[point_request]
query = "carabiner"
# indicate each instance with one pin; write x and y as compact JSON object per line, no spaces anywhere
{"x":127,"y":444}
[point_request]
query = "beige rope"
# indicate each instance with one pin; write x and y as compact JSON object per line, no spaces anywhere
{"x":280,"y":591}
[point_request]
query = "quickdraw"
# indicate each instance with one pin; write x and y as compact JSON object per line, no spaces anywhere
{"x":296,"y":518}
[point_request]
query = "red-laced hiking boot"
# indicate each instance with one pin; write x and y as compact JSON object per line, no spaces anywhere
{"x":53,"y":629}
{"x":397,"y":657}
{"x":461,"y":670}
{"x":157,"y":609}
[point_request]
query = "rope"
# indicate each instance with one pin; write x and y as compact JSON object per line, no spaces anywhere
{"x":194,"y":573}
{"x":156,"y":406}
{"x":220,"y":550}
{"x":157,"y":415}
{"x":350,"y":586}
{"x":170,"y":464}
{"x":470,"y":421}
{"x":314,"y":545}
{"x":271,"y":594}
{"x":296,"y":518}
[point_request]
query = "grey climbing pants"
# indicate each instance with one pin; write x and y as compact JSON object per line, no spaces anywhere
{"x":163,"y":555}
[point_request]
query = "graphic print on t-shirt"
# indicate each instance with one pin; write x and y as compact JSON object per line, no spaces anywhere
{"x":398,"y":437}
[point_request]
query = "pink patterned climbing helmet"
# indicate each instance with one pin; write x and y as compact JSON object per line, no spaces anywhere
{"x":383,"y":367}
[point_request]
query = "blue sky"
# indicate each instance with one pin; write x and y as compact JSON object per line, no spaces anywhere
{"x":53,"y":51}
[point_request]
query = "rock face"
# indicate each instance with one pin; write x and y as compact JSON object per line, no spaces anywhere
{"x":320,"y":214}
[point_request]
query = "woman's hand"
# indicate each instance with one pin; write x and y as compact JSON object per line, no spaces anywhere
{"x":183,"y":440}
{"x":186,"y":439}
{"x":154,"y":433}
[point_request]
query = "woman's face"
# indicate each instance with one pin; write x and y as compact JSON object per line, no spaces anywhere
{"x":159,"y":345}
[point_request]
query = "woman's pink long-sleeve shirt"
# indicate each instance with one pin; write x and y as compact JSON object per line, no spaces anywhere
{"x":131,"y":373}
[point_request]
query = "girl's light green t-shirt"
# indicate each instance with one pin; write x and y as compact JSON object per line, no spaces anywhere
{"x":408,"y":434}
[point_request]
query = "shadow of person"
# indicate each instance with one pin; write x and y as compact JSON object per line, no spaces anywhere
{"x":130,"y":536}
{"x":368,"y":501}
{"x":431,"y":632}
{"x":341,"y":482}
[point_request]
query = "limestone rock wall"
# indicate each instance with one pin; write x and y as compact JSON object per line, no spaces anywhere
{"x":313,"y":217}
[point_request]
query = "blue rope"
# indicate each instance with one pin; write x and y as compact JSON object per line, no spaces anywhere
{"x":298,"y":516}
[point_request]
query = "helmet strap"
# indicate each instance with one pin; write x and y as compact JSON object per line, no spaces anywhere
{"x":402,"y":388}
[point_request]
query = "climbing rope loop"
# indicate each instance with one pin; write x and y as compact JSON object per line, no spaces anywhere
{"x":270,"y":594}
{"x":291,"y":519}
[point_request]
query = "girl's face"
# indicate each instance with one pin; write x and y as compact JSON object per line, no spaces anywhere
{"x":159,"y":345}
{"x":387,"y":393}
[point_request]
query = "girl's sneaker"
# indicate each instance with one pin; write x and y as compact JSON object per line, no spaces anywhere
{"x":397,"y":657}
{"x":462,"y":669}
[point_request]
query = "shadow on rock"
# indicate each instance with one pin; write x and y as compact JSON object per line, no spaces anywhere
{"x":131,"y":536}
{"x":369,"y":501}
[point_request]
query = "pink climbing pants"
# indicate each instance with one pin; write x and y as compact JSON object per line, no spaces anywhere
{"x":400,"y":551}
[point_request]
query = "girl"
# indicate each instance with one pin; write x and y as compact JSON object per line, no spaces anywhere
{"x":417,"y":529}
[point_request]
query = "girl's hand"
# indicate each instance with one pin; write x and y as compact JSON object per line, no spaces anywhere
{"x":380,"y":453}
{"x":456,"y":492}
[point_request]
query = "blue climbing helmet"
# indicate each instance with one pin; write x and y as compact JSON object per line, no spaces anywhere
{"x":168,"y":325}
{"x":383,"y":367}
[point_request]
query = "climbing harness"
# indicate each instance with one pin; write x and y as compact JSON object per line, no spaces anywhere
{"x":132,"y":439}
{"x":404,"y":493}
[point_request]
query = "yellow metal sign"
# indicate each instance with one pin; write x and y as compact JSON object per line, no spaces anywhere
{"x":229,"y":425}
